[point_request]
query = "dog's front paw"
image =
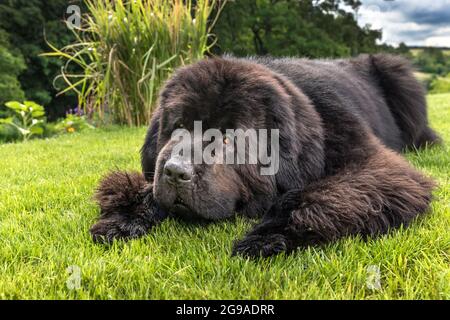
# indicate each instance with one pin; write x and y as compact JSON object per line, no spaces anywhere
{"x":255,"y":246}
{"x":114,"y":228}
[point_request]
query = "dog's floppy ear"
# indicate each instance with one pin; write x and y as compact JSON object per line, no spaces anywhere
{"x":301,"y":149}
{"x":149,"y":151}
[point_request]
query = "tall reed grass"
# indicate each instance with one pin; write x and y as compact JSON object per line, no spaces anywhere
{"x":127,"y":49}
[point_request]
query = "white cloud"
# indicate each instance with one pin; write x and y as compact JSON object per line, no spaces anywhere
{"x":440,"y":41}
{"x":415,"y":22}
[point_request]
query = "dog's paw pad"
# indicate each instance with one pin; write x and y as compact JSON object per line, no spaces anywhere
{"x":105,"y":231}
{"x":108,"y":230}
{"x":255,"y":246}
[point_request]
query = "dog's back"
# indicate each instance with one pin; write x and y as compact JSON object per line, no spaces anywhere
{"x":379,"y":89}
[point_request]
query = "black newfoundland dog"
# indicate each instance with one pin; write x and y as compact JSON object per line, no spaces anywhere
{"x":342,"y":124}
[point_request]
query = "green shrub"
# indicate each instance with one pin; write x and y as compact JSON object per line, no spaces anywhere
{"x":27,"y":118}
{"x":72,"y":123}
{"x":8,"y":134}
{"x":440,"y":85}
{"x":11,"y":66}
{"x":127,"y":49}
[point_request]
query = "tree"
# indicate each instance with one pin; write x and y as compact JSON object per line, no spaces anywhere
{"x":25,"y":22}
{"x":11,"y":65}
{"x":293,"y":27}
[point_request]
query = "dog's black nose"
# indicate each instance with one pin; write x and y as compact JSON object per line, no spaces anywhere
{"x":177,"y":171}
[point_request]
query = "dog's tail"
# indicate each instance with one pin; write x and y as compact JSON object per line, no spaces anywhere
{"x":405,"y":96}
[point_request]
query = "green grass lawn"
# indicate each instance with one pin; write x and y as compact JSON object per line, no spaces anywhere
{"x":46,"y":210}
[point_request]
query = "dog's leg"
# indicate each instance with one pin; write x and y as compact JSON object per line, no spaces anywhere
{"x":128,"y":209}
{"x":368,"y":199}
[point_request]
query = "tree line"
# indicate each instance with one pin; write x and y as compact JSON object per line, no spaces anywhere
{"x":306,"y":28}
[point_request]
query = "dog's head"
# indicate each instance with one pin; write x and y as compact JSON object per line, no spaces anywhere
{"x":226,"y":95}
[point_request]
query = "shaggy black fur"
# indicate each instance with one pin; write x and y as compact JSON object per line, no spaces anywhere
{"x":128,"y":209}
{"x":341,"y":125}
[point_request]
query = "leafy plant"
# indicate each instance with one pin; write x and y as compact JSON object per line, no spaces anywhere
{"x":73,"y":123}
{"x":27,"y":119}
{"x":127,"y":49}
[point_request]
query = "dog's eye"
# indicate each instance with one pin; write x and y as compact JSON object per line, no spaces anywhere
{"x":226,"y":139}
{"x":179,"y":125}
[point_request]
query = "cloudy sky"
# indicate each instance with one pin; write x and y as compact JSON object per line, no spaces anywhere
{"x":415,"y":22}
